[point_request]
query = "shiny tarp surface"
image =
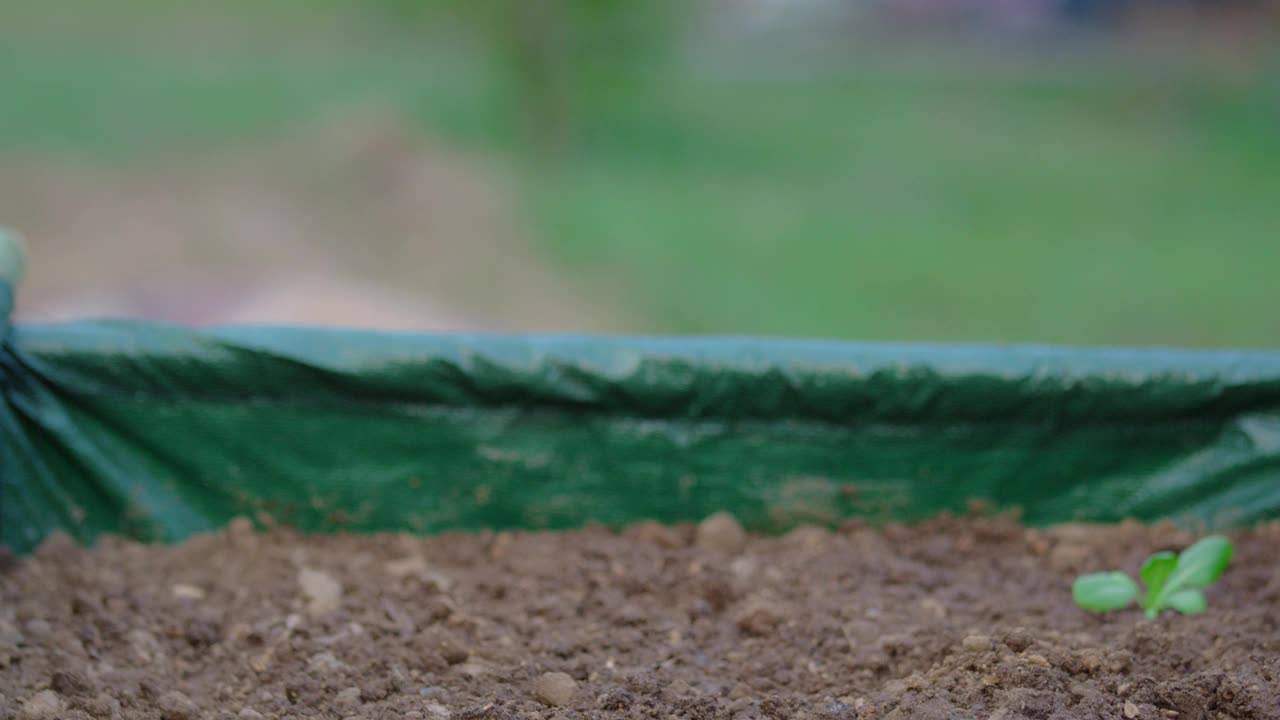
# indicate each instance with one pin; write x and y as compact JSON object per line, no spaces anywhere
{"x":159,"y":432}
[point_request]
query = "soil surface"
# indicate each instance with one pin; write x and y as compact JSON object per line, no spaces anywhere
{"x":949,"y":619}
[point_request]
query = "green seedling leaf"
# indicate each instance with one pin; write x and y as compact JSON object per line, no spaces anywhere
{"x":1104,"y":591}
{"x":1198,"y":566}
{"x":1188,"y":601}
{"x":1173,"y":581}
{"x":1156,"y":570}
{"x":1202,"y":563}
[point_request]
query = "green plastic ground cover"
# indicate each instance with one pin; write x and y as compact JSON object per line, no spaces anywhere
{"x":160,"y":431}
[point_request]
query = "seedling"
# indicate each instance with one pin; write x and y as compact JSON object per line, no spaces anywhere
{"x":1173,"y":581}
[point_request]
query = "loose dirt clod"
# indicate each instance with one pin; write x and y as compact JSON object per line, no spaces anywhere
{"x":434,"y":711}
{"x":187,"y":592}
{"x":322,"y":591}
{"x":175,"y":705}
{"x":44,"y":705}
{"x":867,"y":623}
{"x":722,"y":533}
{"x":349,"y":697}
{"x":555,"y":689}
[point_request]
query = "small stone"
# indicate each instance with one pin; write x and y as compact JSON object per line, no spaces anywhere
{"x":1130,"y":709}
{"x":403,"y":567}
{"x":651,"y":531}
{"x":262,"y":660}
{"x":249,"y":714}
{"x":808,"y":537}
{"x":976,"y":643}
{"x":102,"y":705}
{"x":1069,"y":557}
{"x":554,"y":689}
{"x":677,"y":689}
{"x":417,"y":566}
{"x":1036,"y":659}
{"x":349,"y":697}
{"x":435,"y":711}
{"x":1018,"y":639}
{"x":70,"y":683}
{"x":452,"y":651}
{"x":616,"y":699}
{"x":174,"y":705}
{"x":203,"y":633}
{"x":44,"y":705}
{"x":323,"y":592}
{"x":145,"y":645}
{"x":39,"y":628}
{"x":57,"y":545}
{"x":241,"y":533}
{"x":324,"y":663}
{"x":759,"y":616}
{"x":721,"y":533}
{"x":183,"y":591}
{"x":743,"y":570}
{"x":9,"y":632}
{"x":934,"y":608}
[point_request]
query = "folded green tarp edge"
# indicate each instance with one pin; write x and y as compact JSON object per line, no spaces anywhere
{"x":158,"y":431}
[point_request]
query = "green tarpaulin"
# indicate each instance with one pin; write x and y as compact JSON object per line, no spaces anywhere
{"x":160,"y":431}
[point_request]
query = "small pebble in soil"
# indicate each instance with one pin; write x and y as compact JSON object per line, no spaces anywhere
{"x":44,"y":705}
{"x":649,"y":531}
{"x":721,"y":533}
{"x":203,"y":633}
{"x":452,"y":651}
{"x":39,"y":628}
{"x":1070,"y":557}
{"x":325,"y":662}
{"x":184,"y":591}
{"x":323,"y":592}
{"x":102,"y":705}
{"x":241,"y":533}
{"x":435,"y":711}
{"x":70,"y":683}
{"x":348,"y":697}
{"x":554,"y":689}
{"x":759,"y":616}
{"x":145,"y":645}
{"x":174,"y":705}
{"x":249,"y":714}
{"x":934,"y":608}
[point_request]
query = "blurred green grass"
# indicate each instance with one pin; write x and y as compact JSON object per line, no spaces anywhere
{"x":1070,"y":197}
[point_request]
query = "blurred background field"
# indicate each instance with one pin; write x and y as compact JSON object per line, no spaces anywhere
{"x":1102,"y":172}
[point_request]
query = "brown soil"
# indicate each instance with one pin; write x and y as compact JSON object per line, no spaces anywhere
{"x":949,"y":619}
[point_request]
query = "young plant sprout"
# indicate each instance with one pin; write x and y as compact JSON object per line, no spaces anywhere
{"x":1173,"y":581}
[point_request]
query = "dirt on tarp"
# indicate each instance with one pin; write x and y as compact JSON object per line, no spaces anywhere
{"x":947,"y":619}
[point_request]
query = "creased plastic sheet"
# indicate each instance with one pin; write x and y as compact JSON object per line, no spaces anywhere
{"x":159,"y":432}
